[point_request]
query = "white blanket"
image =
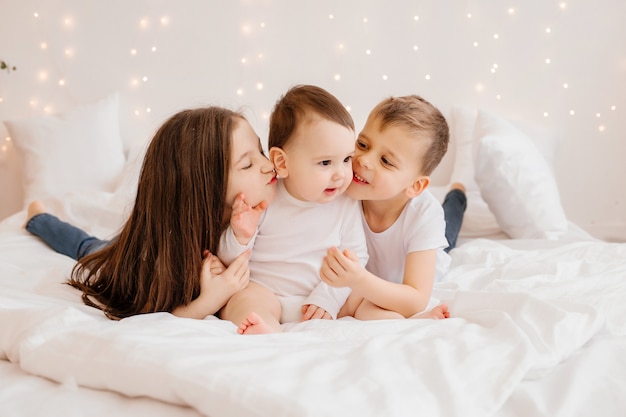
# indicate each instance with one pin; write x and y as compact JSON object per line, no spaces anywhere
{"x":536,"y":326}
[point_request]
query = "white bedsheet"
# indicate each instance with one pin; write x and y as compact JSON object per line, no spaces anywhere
{"x":537,"y":328}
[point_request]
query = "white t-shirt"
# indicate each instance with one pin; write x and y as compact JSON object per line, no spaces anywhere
{"x":421,"y":226}
{"x":291,"y":242}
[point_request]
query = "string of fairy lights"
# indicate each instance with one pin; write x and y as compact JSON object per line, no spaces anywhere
{"x":48,"y":78}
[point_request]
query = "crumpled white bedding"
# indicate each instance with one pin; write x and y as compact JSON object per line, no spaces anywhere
{"x":537,"y":328}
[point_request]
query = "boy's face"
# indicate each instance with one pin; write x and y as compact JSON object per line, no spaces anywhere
{"x":318,"y":161}
{"x":251,"y":172}
{"x":386,"y":162}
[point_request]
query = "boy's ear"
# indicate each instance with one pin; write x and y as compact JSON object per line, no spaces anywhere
{"x":417,"y":187}
{"x":279,"y":159}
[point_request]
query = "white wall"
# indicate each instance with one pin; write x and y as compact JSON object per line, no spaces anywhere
{"x":534,"y":60}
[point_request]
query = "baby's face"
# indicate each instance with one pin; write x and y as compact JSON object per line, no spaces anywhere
{"x":386,"y":161}
{"x":319,"y":160}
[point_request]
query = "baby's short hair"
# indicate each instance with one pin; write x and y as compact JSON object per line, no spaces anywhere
{"x":294,"y":107}
{"x":422,"y":119}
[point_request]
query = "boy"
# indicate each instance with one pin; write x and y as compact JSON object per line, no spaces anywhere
{"x":311,"y":141}
{"x":400,"y":145}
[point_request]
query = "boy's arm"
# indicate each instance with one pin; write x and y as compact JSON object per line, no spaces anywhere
{"x":411,"y":297}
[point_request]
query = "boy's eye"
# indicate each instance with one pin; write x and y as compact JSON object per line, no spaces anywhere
{"x":386,"y":161}
{"x":360,"y":144}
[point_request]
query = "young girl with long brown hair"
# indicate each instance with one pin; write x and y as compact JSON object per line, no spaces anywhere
{"x":162,"y":260}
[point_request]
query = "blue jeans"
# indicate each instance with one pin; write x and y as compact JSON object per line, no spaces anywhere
{"x":63,"y":237}
{"x":75,"y":243}
{"x":454,"y":206}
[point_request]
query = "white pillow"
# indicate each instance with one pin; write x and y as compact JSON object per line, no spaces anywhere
{"x":515,"y":181}
{"x":78,"y":151}
{"x":478,"y":220}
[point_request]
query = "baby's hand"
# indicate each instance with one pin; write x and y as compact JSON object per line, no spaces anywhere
{"x":341,"y":269}
{"x":245,"y":219}
{"x":310,"y":311}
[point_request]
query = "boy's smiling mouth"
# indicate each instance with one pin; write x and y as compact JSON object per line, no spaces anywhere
{"x":357,"y":178}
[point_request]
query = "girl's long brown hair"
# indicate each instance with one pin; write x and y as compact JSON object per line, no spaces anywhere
{"x":154,"y":263}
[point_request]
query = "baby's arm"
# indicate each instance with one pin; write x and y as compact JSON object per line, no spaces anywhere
{"x":412,"y":296}
{"x":244,"y":219}
{"x":311,"y":311}
{"x":242,"y":230}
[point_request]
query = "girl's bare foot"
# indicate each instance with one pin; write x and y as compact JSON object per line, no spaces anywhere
{"x":34,"y":208}
{"x":436,"y":313}
{"x":457,"y":186}
{"x":254,"y":324}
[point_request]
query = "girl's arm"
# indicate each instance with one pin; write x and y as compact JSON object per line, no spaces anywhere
{"x":217,"y":285}
{"x":410,"y":297}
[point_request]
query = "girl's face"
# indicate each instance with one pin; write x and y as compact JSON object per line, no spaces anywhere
{"x":251,"y":172}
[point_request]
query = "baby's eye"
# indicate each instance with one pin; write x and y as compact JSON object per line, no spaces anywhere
{"x":325,"y":163}
{"x":348,"y":159}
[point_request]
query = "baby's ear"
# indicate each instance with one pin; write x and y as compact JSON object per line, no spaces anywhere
{"x":417,"y":187}
{"x":279,"y":159}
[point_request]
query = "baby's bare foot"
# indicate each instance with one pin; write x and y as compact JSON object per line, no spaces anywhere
{"x":254,"y":324}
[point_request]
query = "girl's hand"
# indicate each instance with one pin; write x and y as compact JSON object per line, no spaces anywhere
{"x":310,"y":311}
{"x":341,"y":269}
{"x":245,"y":219}
{"x":218,"y":283}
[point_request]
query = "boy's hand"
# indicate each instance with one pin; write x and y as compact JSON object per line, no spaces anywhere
{"x":310,"y":311}
{"x":245,"y":219}
{"x":341,"y":269}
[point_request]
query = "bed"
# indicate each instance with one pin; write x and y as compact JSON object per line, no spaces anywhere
{"x":537,"y":309}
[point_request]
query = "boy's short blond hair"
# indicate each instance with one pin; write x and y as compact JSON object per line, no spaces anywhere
{"x":422,"y":119}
